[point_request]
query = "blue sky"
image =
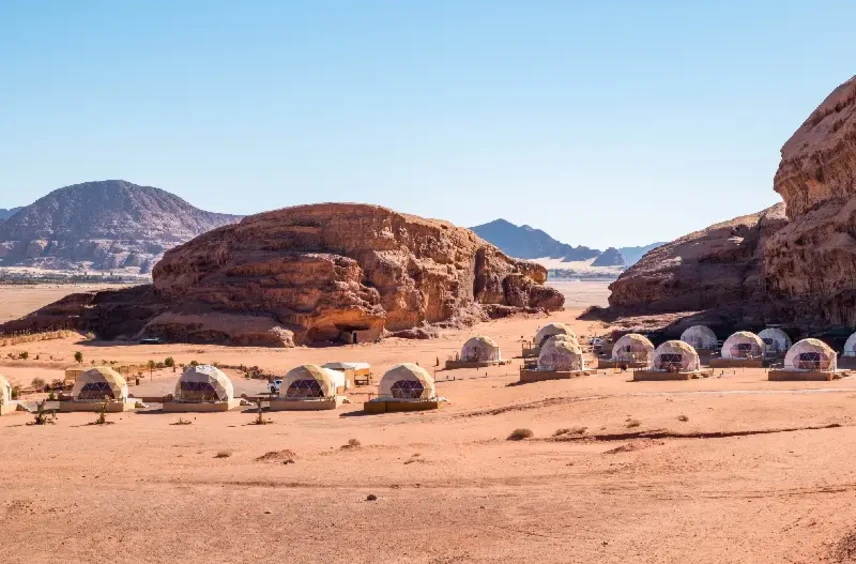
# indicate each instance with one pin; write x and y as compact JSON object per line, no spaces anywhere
{"x":603,"y":123}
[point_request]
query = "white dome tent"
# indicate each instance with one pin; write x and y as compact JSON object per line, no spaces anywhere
{"x":811,"y":355}
{"x":98,"y":386}
{"x":676,"y":356}
{"x":477,"y":352}
{"x":310,"y":388}
{"x":743,"y":345}
{"x":405,"y":387}
{"x":550,"y":330}
{"x":776,"y":341}
{"x":6,"y":405}
{"x":633,"y":348}
{"x":202,"y":388}
{"x":807,"y":360}
{"x":560,"y":353}
{"x":700,"y":337}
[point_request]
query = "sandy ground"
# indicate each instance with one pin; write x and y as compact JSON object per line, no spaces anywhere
{"x":728,"y":469}
{"x":17,"y":301}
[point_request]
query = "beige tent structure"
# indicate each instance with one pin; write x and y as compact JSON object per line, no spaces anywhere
{"x":477,"y":352}
{"x":405,"y":387}
{"x":561,"y":354}
{"x":850,"y":346}
{"x":673,"y":360}
{"x":632,"y":350}
{"x":309,"y":387}
{"x":809,"y":359}
{"x":700,"y":337}
{"x":6,"y":404}
{"x":776,"y":341}
{"x":743,"y":349}
{"x":550,"y":330}
{"x":94,"y":387}
{"x":202,"y":388}
{"x":560,"y":358}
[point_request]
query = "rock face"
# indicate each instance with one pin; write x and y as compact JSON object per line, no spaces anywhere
{"x":799,"y":270}
{"x":716,"y":266}
{"x":317,"y":274}
{"x":109,"y":225}
{"x":7,"y":213}
{"x":609,"y":257}
{"x":529,"y":243}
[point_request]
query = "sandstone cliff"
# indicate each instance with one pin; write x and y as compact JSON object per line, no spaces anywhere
{"x":315,"y":274}
{"x":109,"y":225}
{"x":798,"y":270}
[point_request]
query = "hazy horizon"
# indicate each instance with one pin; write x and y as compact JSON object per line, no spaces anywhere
{"x":583,"y":120}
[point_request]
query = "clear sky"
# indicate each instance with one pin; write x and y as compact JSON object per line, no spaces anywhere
{"x":601,"y":122}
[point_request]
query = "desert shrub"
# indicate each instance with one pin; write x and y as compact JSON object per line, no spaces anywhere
{"x":570,"y":431}
{"x":16,"y":392}
{"x":520,"y":434}
{"x":24,"y":355}
{"x":260,"y":418}
{"x":633,"y":423}
{"x":52,"y":396}
{"x":38,"y":383}
{"x":683,"y":418}
{"x":182,"y":421}
{"x":102,"y":414}
{"x":169,"y":362}
{"x":194,"y":363}
{"x":354,"y":442}
{"x":43,"y":416}
{"x":223,"y":454}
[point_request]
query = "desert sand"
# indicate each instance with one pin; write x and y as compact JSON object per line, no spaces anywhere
{"x":728,"y":469}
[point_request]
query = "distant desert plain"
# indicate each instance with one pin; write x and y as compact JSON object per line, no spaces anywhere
{"x":732,"y":468}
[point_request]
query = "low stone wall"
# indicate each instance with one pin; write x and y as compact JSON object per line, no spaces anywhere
{"x":283,"y":404}
{"x":619,"y":363}
{"x":8,"y":408}
{"x":95,"y":406}
{"x":799,"y":376}
{"x":376,"y":406}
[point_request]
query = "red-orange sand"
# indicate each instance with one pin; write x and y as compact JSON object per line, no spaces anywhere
{"x":734,"y":469}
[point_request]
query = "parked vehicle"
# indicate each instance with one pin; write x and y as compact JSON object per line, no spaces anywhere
{"x":274,"y":385}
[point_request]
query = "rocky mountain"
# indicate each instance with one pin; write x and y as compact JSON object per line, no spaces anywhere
{"x":325,"y":273}
{"x":609,"y":257}
{"x":526,"y":242}
{"x":109,"y":225}
{"x":7,"y":213}
{"x":796,"y":268}
{"x":632,"y":255}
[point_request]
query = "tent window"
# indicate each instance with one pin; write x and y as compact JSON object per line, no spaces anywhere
{"x":198,"y":391}
{"x":809,"y":360}
{"x":407,"y":389}
{"x":670,"y":361}
{"x":96,"y":391}
{"x":304,"y":389}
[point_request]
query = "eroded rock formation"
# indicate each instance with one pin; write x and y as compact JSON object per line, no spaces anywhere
{"x":316,"y":274}
{"x":799,"y":270}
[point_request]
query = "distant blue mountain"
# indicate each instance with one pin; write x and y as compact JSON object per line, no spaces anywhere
{"x":525,"y":242}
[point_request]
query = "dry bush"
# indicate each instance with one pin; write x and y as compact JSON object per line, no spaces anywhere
{"x":520,"y":434}
{"x":17,"y":339}
{"x":570,"y":431}
{"x":633,"y":423}
{"x":43,"y":416}
{"x":182,"y":421}
{"x":683,"y":418}
{"x":38,"y":383}
{"x":223,"y":454}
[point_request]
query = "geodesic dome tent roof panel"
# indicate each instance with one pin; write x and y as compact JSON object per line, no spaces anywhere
{"x":552,"y":329}
{"x":204,"y":383}
{"x":741,"y":345}
{"x":676,"y":356}
{"x":98,"y":383}
{"x":700,"y":337}
{"x":311,"y":381}
{"x":811,"y":355}
{"x":347,"y":365}
{"x":480,"y":349}
{"x":5,"y":391}
{"x":850,"y":346}
{"x":775,"y":339}
{"x":407,"y":381}
{"x":633,"y":347}
{"x":561,"y":354}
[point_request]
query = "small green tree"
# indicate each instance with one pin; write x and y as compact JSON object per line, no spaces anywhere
{"x":78,"y":357}
{"x":24,"y":355}
{"x":44,"y":416}
{"x":151,"y":364}
{"x":169,"y":362}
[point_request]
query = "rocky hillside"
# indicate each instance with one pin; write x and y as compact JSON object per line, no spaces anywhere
{"x":798,"y":269}
{"x":110,"y":225}
{"x":326,"y":273}
{"x":7,"y":213}
{"x":529,"y":243}
{"x":609,"y":257}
